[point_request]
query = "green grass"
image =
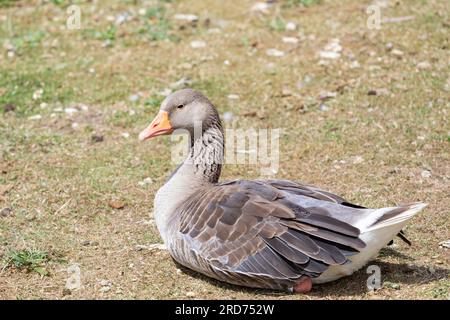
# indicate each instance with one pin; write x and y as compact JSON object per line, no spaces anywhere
{"x":30,"y":260}
{"x":19,"y":86}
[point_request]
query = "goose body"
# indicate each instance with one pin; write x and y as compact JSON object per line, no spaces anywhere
{"x":275,"y":234}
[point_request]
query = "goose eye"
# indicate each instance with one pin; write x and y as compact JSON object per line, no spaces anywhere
{"x":180,"y":106}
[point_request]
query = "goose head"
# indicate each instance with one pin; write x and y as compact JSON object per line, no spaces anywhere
{"x":184,"y":109}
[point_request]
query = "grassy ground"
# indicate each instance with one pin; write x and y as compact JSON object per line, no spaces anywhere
{"x":70,"y":98}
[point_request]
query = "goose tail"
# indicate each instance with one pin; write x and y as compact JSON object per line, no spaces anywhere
{"x":396,"y":216}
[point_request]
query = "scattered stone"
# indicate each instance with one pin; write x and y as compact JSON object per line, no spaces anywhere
{"x":91,"y":70}
{"x":261,"y":7}
{"x":122,"y":17}
{"x":274,"y":53}
{"x":327,"y":95}
{"x":190,"y":294}
{"x":145,"y":182}
{"x":5,"y":212}
{"x":142,"y":11}
{"x":233,"y":97}
{"x":38,"y":94}
{"x":397,"y":52}
{"x":86,"y":243}
{"x":134,"y":98}
{"x":445,"y":244}
{"x":357,"y":159}
{"x":424,"y":65}
{"x":125,"y":135}
{"x":70,"y":111}
{"x":323,"y":107}
{"x":186,"y":17}
{"x":105,"y":283}
{"x":397,"y":19}
{"x":226,"y":62}
{"x":291,"y":26}
{"x":197,"y":44}
{"x":116,"y":204}
{"x":97,"y":138}
{"x":332,"y":50}
{"x":425,"y":174}
{"x":286,"y":92}
{"x":43,"y":105}
{"x":355,"y":65}
{"x":35,"y":117}
{"x":105,"y":289}
{"x":9,"y":107}
{"x":372,"y":92}
{"x":292,"y":40}
{"x":154,"y":246}
{"x":228,"y":116}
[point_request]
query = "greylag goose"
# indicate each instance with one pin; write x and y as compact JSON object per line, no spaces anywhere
{"x":273,"y":234}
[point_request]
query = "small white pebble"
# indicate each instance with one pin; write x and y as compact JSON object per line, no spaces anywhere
{"x":291,"y":26}
{"x":358,"y":159}
{"x":324,"y":107}
{"x":424,"y":65}
{"x":186,"y":17}
{"x":38,"y":94}
{"x":104,"y":283}
{"x":397,"y":52}
{"x":228,"y":116}
{"x":125,"y":135}
{"x":35,"y":117}
{"x":274,"y":53}
{"x":134,"y":98}
{"x":197,"y":44}
{"x":70,"y":111}
{"x":233,"y":97}
{"x":354,"y":65}
{"x":426,"y":174}
{"x":145,"y":182}
{"x":262,"y":7}
{"x":292,"y":40}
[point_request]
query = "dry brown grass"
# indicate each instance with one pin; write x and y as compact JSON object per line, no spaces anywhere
{"x":61,"y":181}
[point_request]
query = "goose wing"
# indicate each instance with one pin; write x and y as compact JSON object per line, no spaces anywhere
{"x":251,"y":227}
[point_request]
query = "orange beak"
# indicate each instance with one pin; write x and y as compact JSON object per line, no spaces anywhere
{"x":159,"y":126}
